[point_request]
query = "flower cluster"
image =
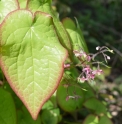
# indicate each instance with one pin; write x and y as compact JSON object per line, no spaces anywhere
{"x":82,"y":56}
{"x":88,"y":74}
{"x":86,"y":60}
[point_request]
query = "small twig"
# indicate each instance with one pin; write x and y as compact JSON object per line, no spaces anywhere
{"x":116,"y":50}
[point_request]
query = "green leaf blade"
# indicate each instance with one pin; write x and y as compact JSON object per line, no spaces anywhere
{"x":32,"y":57}
{"x":7,"y":108}
{"x":94,"y":119}
{"x":96,"y":106}
{"x":75,"y":34}
{"x":91,"y":119}
{"x":50,"y":116}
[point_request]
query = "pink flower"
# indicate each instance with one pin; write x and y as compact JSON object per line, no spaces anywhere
{"x":84,"y":54}
{"x":88,"y":58}
{"x":80,"y":54}
{"x":97,"y":72}
{"x":77,"y":53}
{"x":87,"y":69}
{"x":67,"y":98}
{"x":90,"y":76}
{"x":82,"y":79}
{"x":66,"y":65}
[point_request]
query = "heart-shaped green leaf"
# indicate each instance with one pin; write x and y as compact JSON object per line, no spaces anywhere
{"x":32,"y":57}
{"x":7,"y":108}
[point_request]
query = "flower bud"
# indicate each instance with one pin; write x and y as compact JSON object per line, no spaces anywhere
{"x":98,"y":47}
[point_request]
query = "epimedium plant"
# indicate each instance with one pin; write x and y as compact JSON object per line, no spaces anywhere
{"x":38,"y":53}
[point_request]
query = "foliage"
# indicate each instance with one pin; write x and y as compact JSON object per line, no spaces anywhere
{"x":100,"y":21}
{"x":35,"y":50}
